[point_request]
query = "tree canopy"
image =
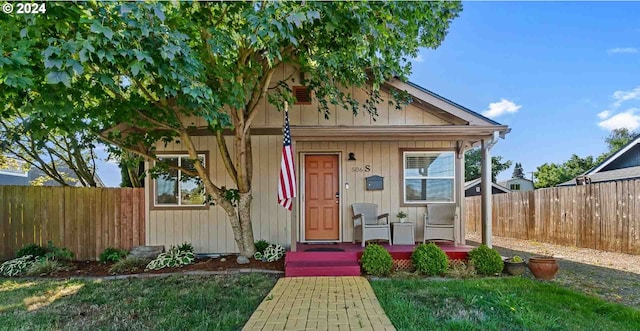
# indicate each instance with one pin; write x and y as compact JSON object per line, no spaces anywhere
{"x":132,"y":73}
{"x":472,"y":165}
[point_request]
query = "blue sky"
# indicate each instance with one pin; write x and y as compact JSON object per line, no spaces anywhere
{"x":548,"y":68}
{"x":556,"y":64}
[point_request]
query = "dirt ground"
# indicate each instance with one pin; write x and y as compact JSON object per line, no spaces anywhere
{"x":94,"y":268}
{"x":612,"y":276}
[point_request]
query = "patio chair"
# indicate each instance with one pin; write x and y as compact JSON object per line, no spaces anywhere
{"x":372,"y":225}
{"x":439,"y":221}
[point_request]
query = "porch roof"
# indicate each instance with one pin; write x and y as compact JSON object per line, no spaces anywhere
{"x":396,"y":132}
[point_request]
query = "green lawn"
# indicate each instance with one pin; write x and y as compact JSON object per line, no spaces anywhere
{"x":497,"y":304}
{"x":172,"y":303}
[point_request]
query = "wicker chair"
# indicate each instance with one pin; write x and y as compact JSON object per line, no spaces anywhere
{"x":439,"y":221}
{"x":372,"y":225}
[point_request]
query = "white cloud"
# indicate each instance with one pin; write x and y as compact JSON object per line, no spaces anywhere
{"x":418,"y":58}
{"x":604,"y":114}
{"x":629,"y":119}
{"x":621,"y":50}
{"x":502,"y":107}
{"x":622,"y":96}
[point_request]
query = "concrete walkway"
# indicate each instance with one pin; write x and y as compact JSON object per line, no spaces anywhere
{"x":320,"y":303}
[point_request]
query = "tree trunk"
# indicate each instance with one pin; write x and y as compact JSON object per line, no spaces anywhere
{"x":244,"y":213}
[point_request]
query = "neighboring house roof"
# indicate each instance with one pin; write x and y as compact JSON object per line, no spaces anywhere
{"x":627,"y":171}
{"x":608,"y":176}
{"x":37,"y":173}
{"x":614,"y":156}
{"x":8,"y":178}
{"x":506,"y":182}
{"x":477,"y":181}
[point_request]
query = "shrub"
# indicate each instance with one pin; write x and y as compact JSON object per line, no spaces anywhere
{"x":172,"y":258}
{"x":43,"y":266}
{"x":376,"y":260}
{"x":261,"y":245}
{"x":34,"y":250}
{"x":487,"y":261}
{"x":58,"y":253}
{"x":429,"y":259}
{"x":16,"y":267}
{"x":111,"y":254}
{"x":186,"y":247}
{"x":131,"y":264}
{"x":460,"y":269}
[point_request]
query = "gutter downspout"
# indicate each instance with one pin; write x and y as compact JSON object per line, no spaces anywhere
{"x":486,"y":189}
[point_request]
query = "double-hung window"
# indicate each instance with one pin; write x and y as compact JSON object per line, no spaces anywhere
{"x":428,"y":177}
{"x":176,"y":188}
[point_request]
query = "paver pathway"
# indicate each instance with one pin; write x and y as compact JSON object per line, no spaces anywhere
{"x":320,"y":303}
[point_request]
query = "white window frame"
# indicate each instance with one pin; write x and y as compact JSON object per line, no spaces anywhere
{"x":155,"y":183}
{"x":405,"y":178}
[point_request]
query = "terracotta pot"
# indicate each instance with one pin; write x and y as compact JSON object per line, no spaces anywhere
{"x":514,"y":268}
{"x":543,"y":267}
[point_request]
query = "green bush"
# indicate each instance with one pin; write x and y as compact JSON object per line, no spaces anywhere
{"x":487,"y":261}
{"x":131,"y":264}
{"x":34,"y":250}
{"x":172,"y":258}
{"x":44,"y":266}
{"x":16,"y":267}
{"x":186,"y":247}
{"x":261,"y":245}
{"x":376,"y":260}
{"x":111,"y":254}
{"x":58,"y":253}
{"x":429,"y":259}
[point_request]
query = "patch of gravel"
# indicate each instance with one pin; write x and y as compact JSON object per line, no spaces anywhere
{"x":612,"y":276}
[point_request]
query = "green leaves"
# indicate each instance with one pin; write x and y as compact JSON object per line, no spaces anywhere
{"x":96,"y":27}
{"x":56,"y":77}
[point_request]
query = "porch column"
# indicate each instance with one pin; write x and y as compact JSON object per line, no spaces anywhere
{"x":459,"y":233}
{"x":485,"y":192}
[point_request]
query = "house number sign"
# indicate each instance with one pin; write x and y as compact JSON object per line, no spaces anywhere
{"x":366,"y":168}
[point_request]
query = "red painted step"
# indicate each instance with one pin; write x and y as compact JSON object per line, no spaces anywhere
{"x":303,"y":264}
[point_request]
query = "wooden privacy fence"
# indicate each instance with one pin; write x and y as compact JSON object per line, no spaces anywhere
{"x":85,"y":220}
{"x":604,"y":216}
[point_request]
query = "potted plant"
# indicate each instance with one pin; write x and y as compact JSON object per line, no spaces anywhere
{"x":543,"y":267}
{"x":514,"y":266}
{"x":401,"y":216}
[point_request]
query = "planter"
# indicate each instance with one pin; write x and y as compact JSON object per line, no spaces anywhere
{"x":543,"y":267}
{"x":514,"y":268}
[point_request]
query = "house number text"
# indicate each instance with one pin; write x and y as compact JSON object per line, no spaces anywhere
{"x":366,"y":168}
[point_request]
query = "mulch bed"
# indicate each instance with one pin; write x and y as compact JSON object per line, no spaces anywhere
{"x":96,"y":269}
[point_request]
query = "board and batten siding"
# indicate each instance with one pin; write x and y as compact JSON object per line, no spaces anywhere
{"x":384,"y":159}
{"x":209,"y":230}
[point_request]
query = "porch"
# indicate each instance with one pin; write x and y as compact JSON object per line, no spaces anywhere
{"x":342,"y":259}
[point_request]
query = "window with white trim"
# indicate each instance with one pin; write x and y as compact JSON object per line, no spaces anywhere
{"x":428,"y":177}
{"x":175,"y":188}
{"x":514,"y":187}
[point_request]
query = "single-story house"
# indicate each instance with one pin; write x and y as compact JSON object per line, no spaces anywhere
{"x":418,"y":151}
{"x":473,"y":188}
{"x":517,"y":184}
{"x":621,"y":165}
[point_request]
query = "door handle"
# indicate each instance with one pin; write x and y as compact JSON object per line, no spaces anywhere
{"x":337,"y":197}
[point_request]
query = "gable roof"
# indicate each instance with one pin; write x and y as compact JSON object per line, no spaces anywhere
{"x":472,"y":183}
{"x":440,"y":102}
{"x":609,"y":176}
{"x":614,"y":156}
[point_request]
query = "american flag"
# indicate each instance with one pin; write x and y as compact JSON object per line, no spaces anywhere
{"x":287,"y":184}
